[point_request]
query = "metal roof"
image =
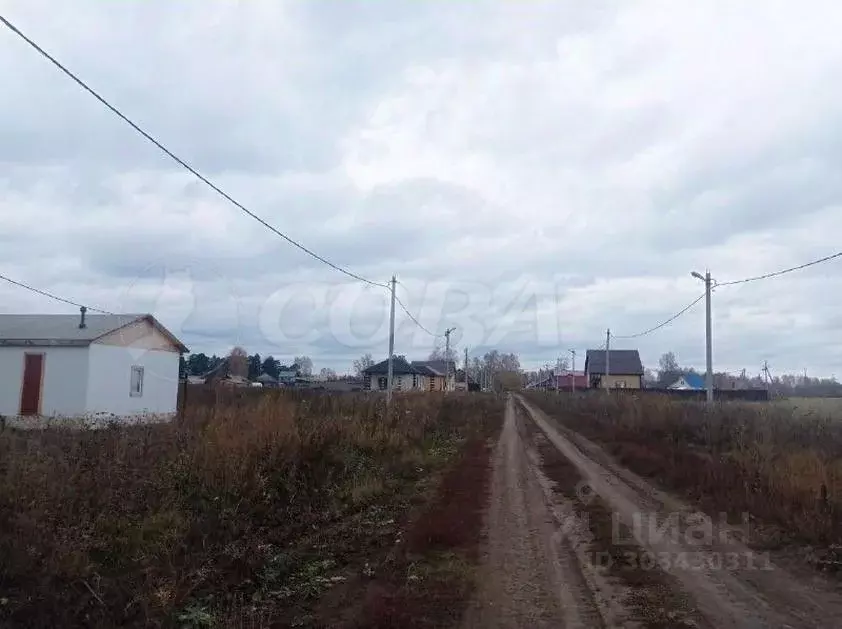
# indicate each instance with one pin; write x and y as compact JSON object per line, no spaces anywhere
{"x":399,"y":366}
{"x":63,"y":330}
{"x":693,"y":380}
{"x":426,"y":370}
{"x":438,"y":366}
{"x":624,"y":362}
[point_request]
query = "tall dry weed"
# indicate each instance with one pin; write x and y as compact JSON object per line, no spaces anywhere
{"x":124,"y":526}
{"x":782,"y":466}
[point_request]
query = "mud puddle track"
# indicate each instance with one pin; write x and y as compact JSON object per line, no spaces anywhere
{"x":666,"y":565}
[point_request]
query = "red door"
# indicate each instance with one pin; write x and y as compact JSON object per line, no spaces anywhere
{"x":33,"y":372}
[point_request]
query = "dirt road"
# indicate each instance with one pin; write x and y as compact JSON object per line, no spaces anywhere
{"x":574,"y":540}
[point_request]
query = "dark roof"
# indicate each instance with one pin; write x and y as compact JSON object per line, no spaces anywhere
{"x":64,"y":330}
{"x":439,"y":366}
{"x":426,"y":370}
{"x":266,"y":378}
{"x":399,"y":366}
{"x":623,"y":362}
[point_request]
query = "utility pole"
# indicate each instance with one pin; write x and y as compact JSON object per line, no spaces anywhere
{"x":573,"y":372}
{"x":466,"y":369}
{"x":708,"y":335}
{"x":708,"y":341}
{"x":556,"y":374}
{"x":390,"y":372}
{"x":607,"y":357}
{"x":447,"y":334}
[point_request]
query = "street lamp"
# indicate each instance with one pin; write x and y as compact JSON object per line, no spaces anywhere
{"x":708,"y":340}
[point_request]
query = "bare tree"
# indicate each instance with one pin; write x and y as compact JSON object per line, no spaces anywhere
{"x":325,"y":373}
{"x":305,"y":365}
{"x":440,"y":353}
{"x":362,"y":363}
{"x":668,"y":369}
{"x":238,"y":362}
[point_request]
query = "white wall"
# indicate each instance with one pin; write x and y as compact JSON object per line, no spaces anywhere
{"x":406,"y":382}
{"x":109,"y":380}
{"x":65,"y":379}
{"x":400,"y":382}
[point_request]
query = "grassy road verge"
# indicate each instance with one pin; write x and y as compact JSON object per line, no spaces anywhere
{"x":763,"y":460}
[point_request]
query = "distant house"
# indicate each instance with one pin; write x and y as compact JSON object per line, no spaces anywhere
{"x":288,"y":376}
{"x":562,"y":381}
{"x":572,"y":380}
{"x":689,"y":382}
{"x":221,"y":376}
{"x":436,"y":372}
{"x":266,"y":380}
{"x":625,"y":371}
{"x":463,"y":383}
{"x":75,"y":366}
{"x":405,"y":377}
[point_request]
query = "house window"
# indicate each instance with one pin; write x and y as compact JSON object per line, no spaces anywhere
{"x":382,"y":383}
{"x":136,"y":382}
{"x":414,"y":381}
{"x":620,"y":384}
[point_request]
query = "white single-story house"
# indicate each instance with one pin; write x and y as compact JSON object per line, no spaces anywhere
{"x":405,"y":377}
{"x":83,"y":366}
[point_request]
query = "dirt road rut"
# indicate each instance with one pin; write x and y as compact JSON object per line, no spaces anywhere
{"x":573,"y":540}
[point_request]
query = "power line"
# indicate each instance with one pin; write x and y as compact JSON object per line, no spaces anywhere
{"x":663,"y":323}
{"x":180,"y":161}
{"x":782,"y":272}
{"x":732,"y":283}
{"x":50,"y":295}
{"x":409,"y":314}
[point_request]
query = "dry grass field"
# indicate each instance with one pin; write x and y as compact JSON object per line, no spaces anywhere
{"x":779,"y":462}
{"x":261,"y":509}
{"x":829,"y":407}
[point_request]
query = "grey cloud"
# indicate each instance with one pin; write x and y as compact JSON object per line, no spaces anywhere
{"x":602,"y":148}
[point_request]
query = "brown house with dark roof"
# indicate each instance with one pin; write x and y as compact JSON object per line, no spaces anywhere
{"x":623,"y":367}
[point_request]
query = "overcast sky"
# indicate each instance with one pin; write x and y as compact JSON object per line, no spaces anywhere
{"x":533,"y":173}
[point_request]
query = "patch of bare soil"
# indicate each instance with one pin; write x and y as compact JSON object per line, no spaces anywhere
{"x":531,"y":575}
{"x":707,"y":561}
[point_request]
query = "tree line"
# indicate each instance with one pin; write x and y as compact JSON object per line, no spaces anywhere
{"x":240,"y":363}
{"x":494,"y":368}
{"x":788,"y":385}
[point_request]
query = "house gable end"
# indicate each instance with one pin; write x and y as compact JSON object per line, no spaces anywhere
{"x":140,"y":334}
